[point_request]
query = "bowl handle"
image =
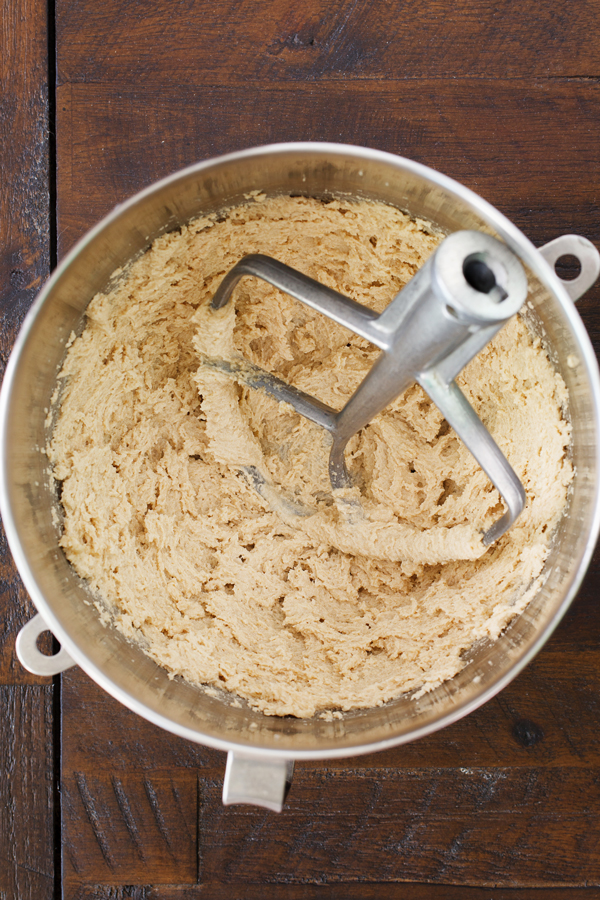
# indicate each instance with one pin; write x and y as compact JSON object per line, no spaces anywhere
{"x":586,"y":253}
{"x":33,"y":659}
{"x":257,"y":780}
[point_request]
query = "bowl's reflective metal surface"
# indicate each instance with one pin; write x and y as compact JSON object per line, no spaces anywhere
{"x":27,"y":494}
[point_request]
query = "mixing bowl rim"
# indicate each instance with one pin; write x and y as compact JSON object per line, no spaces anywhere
{"x":514,"y":238}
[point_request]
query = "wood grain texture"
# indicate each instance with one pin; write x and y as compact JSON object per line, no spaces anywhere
{"x":330,"y":40}
{"x":518,"y":779}
{"x":502,"y":827}
{"x":24,"y":240}
{"x":24,"y":189}
{"x":132,"y":827}
{"x":362,"y":891}
{"x":530,"y":149}
{"x":26,"y":753}
{"x":26,"y":801}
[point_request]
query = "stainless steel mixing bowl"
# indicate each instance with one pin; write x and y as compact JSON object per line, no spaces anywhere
{"x":261,"y":748}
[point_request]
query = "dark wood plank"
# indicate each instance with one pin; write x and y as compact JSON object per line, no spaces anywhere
{"x":360,"y":891}
{"x":529,"y":148}
{"x":24,"y":241}
{"x":26,"y":758}
{"x":129,"y":790}
{"x":26,"y":793}
{"x":518,"y":776}
{"x":323,"y":40}
{"x":131,"y":827}
{"x":503,"y":827}
{"x":24,"y":190}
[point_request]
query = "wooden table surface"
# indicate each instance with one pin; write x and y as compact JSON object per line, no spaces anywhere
{"x":100,"y":98}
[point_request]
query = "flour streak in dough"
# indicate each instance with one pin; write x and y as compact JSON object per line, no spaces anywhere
{"x":294,"y":614}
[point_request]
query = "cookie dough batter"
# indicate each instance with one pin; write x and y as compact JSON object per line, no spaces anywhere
{"x":226,"y":586}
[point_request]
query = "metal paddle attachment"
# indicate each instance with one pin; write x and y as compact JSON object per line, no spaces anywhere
{"x":463,"y":295}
